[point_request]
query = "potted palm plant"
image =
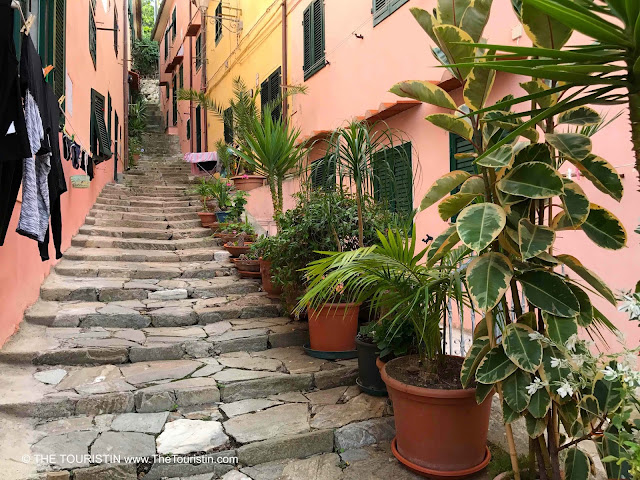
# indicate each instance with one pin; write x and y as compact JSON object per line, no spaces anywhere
{"x":408,"y":288}
{"x":204,"y":190}
{"x":221,"y":191}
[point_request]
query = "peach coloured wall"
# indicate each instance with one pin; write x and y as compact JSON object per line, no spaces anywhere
{"x":357,"y":79}
{"x":22,"y":271}
{"x":186,"y":13}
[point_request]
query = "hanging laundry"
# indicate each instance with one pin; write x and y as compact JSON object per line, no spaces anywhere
{"x":56,"y":181}
{"x":14,"y":141}
{"x":35,"y":211}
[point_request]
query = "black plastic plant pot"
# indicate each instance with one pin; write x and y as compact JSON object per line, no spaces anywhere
{"x":369,"y":375}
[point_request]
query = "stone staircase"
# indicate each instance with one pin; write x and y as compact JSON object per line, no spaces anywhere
{"x":145,"y":342}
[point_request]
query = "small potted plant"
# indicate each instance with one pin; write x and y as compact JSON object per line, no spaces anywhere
{"x":221,"y":191}
{"x":231,"y":232}
{"x":248,"y":264}
{"x":205,"y":191}
{"x":238,"y":247}
{"x":369,"y":379}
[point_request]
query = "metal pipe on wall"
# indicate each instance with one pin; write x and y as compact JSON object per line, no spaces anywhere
{"x":204,"y":76}
{"x":125,"y":89}
{"x":285,"y":101}
{"x":190,"y":83}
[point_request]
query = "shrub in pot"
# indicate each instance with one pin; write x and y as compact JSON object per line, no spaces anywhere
{"x":233,"y":231}
{"x":221,"y":191}
{"x":412,"y":289}
{"x":204,"y":190}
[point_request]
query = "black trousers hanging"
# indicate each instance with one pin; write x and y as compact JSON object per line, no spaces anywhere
{"x":56,"y":231}
{"x":10,"y":180}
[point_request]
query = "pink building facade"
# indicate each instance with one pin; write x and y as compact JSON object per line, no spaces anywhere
{"x":365,"y":52}
{"x":88,"y":44}
{"x":181,"y":38}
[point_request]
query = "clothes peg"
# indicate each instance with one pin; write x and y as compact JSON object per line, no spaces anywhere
{"x":27,"y":25}
{"x":47,"y":70}
{"x":60,"y":100}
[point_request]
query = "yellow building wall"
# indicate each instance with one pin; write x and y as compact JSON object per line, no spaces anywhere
{"x":253,"y":52}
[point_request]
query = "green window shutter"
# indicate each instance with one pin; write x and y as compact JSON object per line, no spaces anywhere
{"x":457,"y":145}
{"x":314,"y":42}
{"x":198,"y":130}
{"x":109,"y":110}
{"x":270,"y":93}
{"x":173,"y":24}
{"x":323,"y":174}
{"x":116,"y":30}
{"x":383,"y":8}
{"x":198,"y":52}
{"x":175,"y":100}
{"x":166,"y":44}
{"x":59,"y":73}
{"x":228,"y":125}
{"x":92,"y":33}
{"x":166,"y":92}
{"x":218,"y":22}
{"x":181,"y":76}
{"x":393,"y":178}
{"x":189,"y":129}
{"x":100,"y":141}
{"x":115,"y":136}
{"x":166,"y":120}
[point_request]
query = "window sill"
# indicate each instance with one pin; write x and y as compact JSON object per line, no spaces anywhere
{"x":315,"y":69}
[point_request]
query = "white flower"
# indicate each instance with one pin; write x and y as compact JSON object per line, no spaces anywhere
{"x":578,"y":360}
{"x":609,"y":374}
{"x":631,"y":305}
{"x":555,"y":362}
{"x":571,"y":342}
{"x":565,"y":390}
{"x":535,"y":386}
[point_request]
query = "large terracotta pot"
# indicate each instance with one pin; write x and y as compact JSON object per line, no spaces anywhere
{"x":272,"y":290}
{"x":439,"y":433}
{"x":333,"y":327}
{"x":248,"y":182}
{"x":247,"y":265}
{"x":207,"y":218}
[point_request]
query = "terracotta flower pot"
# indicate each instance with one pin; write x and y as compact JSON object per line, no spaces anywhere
{"x":207,"y":218}
{"x":246,"y":265}
{"x":272,"y":290}
{"x":379,"y":363}
{"x":248,"y":182}
{"x":237,"y":250}
{"x":233,"y":237}
{"x":333,"y":327}
{"x":439,"y":433}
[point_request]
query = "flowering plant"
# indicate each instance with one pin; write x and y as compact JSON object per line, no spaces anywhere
{"x":221,"y":191}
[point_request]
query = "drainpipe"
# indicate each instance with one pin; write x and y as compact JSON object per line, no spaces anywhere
{"x":285,"y":102}
{"x":190,"y":83}
{"x":125,"y":92}
{"x":204,"y":77}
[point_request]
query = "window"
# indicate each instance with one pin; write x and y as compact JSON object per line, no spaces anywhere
{"x":459,"y":145}
{"x":393,"y":183}
{"x":270,"y":94}
{"x":166,"y":120}
{"x":323,"y":174}
{"x":166,"y":45}
{"x":166,"y":92}
{"x":313,"y":27}
{"x":173,"y":24}
{"x":383,"y":8}
{"x":228,"y":125}
{"x":92,"y":32}
{"x":188,"y":129}
{"x":181,"y":76}
{"x":115,"y":137}
{"x":99,"y":136}
{"x":109,"y":110}
{"x":175,"y":100}
{"x":198,"y":52}
{"x":218,"y":22}
{"x":115,"y":29}
{"x":52,"y":15}
{"x":198,"y":130}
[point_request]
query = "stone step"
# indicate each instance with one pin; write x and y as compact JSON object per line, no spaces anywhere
{"x":168,"y":308}
{"x":145,"y":255}
{"x":156,"y":225}
{"x":147,"y":233}
{"x":153,"y":217}
{"x":41,"y":345}
{"x":151,"y":188}
{"x":145,"y":270}
{"x":156,"y":203}
{"x":134,"y":209}
{"x":94,"y":289}
{"x":92,"y":241}
{"x":163,"y":385}
{"x":152,"y":198}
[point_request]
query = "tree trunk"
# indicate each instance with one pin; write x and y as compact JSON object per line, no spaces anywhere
{"x":634,"y":117}
{"x":360,"y":226}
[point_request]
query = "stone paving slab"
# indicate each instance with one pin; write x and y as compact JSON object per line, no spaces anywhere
{"x":145,"y":233}
{"x":145,"y":270}
{"x":94,"y":241}
{"x":141,"y":256}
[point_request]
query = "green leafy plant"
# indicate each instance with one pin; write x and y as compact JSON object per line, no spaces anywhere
{"x":204,"y":190}
{"x":239,"y":203}
{"x":145,"y":53}
{"x":603,"y":71}
{"x":239,"y":228}
{"x":221,"y":191}
{"x":508,"y":214}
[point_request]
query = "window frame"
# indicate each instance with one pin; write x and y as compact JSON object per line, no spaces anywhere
{"x":93,"y":34}
{"x":174,"y":21}
{"x":390,"y":6}
{"x":198,"y":52}
{"x":316,"y":64}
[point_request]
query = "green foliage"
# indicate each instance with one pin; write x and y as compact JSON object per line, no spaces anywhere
{"x":145,"y":53}
{"x":221,"y":192}
{"x":148,"y":19}
{"x":204,"y":189}
{"x":320,"y":222}
{"x":239,"y":203}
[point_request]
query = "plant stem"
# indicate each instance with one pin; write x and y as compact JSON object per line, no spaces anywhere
{"x":542,"y":469}
{"x":553,"y":442}
{"x":360,"y":226}
{"x":513,"y":454}
{"x":545,"y":453}
{"x":516,"y":297}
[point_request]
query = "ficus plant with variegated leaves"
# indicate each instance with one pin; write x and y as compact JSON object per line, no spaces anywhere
{"x":526,"y":348}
